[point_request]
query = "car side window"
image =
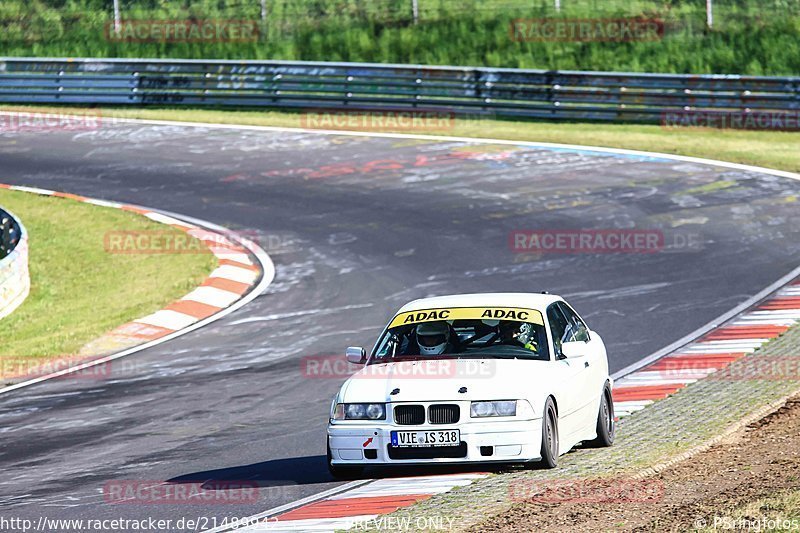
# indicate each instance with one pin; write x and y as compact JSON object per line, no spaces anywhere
{"x":577,"y":329}
{"x":558,"y":327}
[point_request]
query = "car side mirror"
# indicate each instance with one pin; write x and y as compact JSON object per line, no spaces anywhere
{"x":573,"y":349}
{"x":356,"y":355}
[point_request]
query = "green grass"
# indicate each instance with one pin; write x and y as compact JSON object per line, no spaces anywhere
{"x":771,"y":149}
{"x":79,"y":291}
{"x":749,"y":36}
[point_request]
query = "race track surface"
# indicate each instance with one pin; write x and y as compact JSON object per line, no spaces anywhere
{"x":356,"y":226}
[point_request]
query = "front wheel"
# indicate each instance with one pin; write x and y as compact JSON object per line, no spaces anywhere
{"x":549,"y":435}
{"x":606,"y":427}
{"x":343,"y":472}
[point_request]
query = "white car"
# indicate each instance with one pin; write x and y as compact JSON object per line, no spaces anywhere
{"x":474,"y":378}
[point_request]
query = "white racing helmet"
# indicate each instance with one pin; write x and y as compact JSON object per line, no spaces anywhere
{"x":432,"y":337}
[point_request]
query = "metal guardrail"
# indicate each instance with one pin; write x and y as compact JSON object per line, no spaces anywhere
{"x":563,"y":95}
{"x":15,"y":280}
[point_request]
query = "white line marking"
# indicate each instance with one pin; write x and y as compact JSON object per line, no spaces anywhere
{"x":103,"y":203}
{"x":242,"y":275}
{"x":212,"y":296}
{"x":34,"y":190}
{"x":163,"y":219}
{"x":722,"y":343}
{"x":748,"y":319}
{"x":722,"y":348}
{"x":318,"y":525}
{"x":168,"y":319}
{"x":299,"y":503}
{"x":783,"y":314}
{"x":407,"y":487}
{"x":659,"y":378}
{"x":227,"y":253}
{"x":633,"y":403}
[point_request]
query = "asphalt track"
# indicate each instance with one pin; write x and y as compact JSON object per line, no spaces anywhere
{"x":356,"y":226}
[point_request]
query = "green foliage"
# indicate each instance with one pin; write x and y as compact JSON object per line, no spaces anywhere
{"x":749,"y":36}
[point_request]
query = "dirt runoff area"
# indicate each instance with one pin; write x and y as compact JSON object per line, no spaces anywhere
{"x":705,"y":492}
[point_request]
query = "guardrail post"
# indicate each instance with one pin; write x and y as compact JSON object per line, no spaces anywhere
{"x":347,"y":94}
{"x":478,"y":87}
{"x":60,"y":87}
{"x":797,"y":94}
{"x":417,"y":85}
{"x":551,"y":91}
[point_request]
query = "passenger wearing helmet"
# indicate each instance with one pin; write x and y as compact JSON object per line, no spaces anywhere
{"x":519,"y":334}
{"x":433,"y":338}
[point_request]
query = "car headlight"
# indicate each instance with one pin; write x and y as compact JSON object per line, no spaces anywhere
{"x":497,"y":408}
{"x":360,"y":411}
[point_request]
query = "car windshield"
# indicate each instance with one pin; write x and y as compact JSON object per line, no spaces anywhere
{"x":428,"y":338}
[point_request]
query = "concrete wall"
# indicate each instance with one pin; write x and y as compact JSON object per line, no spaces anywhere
{"x":15,"y":281}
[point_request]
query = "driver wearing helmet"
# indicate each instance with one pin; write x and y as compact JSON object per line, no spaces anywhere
{"x":433,"y":338}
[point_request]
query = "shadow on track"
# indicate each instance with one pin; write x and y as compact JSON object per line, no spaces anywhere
{"x":307,"y":470}
{"x":310,"y":470}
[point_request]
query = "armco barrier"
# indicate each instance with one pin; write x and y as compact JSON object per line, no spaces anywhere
{"x":563,"y":95}
{"x":15,"y":282}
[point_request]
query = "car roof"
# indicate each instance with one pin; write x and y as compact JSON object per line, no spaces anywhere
{"x":528,"y":300}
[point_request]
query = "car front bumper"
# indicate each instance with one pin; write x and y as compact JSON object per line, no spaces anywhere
{"x":364,"y":444}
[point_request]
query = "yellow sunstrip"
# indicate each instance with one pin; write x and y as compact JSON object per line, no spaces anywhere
{"x":518,"y":314}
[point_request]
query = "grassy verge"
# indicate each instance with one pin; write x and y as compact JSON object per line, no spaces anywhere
{"x":782,"y":510}
{"x":771,"y":149}
{"x":79,"y":291}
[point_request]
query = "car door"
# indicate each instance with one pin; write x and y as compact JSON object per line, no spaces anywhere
{"x":569,"y":374}
{"x":590,"y":379}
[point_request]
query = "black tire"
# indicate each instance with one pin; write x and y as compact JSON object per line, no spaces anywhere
{"x":343,"y":472}
{"x":606,"y":427}
{"x":549,"y":436}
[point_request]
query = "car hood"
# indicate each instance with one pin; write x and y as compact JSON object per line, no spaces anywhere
{"x":442,"y":380}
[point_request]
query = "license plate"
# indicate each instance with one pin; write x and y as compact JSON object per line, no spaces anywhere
{"x":425,"y":439}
